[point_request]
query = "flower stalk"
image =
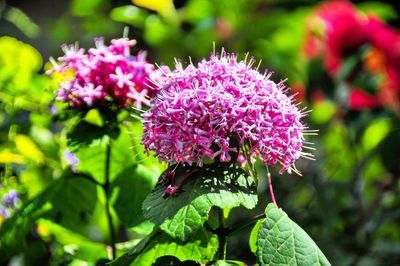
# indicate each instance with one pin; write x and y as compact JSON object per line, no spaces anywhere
{"x":222,"y":235}
{"x":106,"y":189}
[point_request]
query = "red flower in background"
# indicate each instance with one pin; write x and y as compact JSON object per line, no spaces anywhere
{"x":336,"y":29}
{"x":359,"y":99}
{"x":386,"y":42}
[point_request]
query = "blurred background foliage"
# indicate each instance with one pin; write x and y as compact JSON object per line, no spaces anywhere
{"x":347,"y":199}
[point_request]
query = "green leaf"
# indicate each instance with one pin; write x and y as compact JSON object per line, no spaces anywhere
{"x":74,"y":202}
{"x":133,"y":185}
{"x":85,"y":133}
{"x":75,"y":244}
{"x":227,"y":263}
{"x":323,"y":111}
{"x":130,"y":255}
{"x":67,"y":200}
{"x":94,"y":117}
{"x":201,"y":248}
{"x":28,"y":148}
{"x":13,"y":230}
{"x":156,"y":31}
{"x":124,"y":152}
{"x":129,"y":14}
{"x":376,"y":131}
{"x":384,"y":11}
{"x":221,"y":185}
{"x":254,"y":235}
{"x":282,"y":242}
{"x":87,"y":8}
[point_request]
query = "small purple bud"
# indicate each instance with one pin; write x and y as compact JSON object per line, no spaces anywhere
{"x":4,"y":212}
{"x":10,"y":199}
{"x":170,"y":191}
{"x":71,"y":159}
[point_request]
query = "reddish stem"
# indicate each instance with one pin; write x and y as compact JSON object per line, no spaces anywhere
{"x":271,"y":190}
{"x":186,"y":177}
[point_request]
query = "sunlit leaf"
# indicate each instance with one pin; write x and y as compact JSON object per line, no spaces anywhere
{"x":375,"y":133}
{"x":197,"y":10}
{"x":81,"y":247}
{"x":322,"y":111}
{"x":15,"y":70}
{"x":28,"y":148}
{"x":155,"y":5}
{"x":282,"y":242}
{"x":201,"y":247}
{"x":254,"y":236}
{"x":94,"y":117}
{"x":9,"y":157}
{"x":157,"y":31}
{"x":131,"y":15}
{"x":184,"y":214}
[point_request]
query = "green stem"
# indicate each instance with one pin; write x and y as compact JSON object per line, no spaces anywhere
{"x":106,"y":188}
{"x":87,"y":177}
{"x":222,"y":236}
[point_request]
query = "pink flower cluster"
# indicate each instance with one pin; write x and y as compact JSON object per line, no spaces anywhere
{"x":105,"y":74}
{"x":221,"y":107}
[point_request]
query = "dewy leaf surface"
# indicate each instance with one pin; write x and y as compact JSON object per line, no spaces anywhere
{"x":222,"y":185}
{"x":282,"y":242}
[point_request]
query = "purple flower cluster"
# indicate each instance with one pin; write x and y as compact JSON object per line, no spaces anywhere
{"x":10,"y":201}
{"x":221,"y":107}
{"x":105,"y":74}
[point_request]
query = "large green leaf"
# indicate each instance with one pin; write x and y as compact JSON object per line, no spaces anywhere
{"x":74,"y":202}
{"x":71,"y":243}
{"x":133,"y":184}
{"x":221,"y":185}
{"x":201,"y":248}
{"x":13,"y":230}
{"x":68,"y":201}
{"x":282,"y":242}
{"x":125,"y":151}
{"x":85,"y":133}
{"x":254,"y":235}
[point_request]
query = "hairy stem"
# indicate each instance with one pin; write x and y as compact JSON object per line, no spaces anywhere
{"x":106,"y":188}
